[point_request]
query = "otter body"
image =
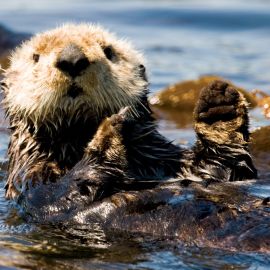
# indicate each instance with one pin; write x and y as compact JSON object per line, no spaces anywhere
{"x":59,"y":88}
{"x":83,"y":139}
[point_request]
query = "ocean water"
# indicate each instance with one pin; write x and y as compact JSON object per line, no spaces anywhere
{"x":181,"y":40}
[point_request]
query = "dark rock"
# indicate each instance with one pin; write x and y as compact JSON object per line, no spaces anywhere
{"x":183,"y":96}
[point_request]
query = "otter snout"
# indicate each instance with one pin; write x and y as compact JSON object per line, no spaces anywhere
{"x":72,"y":61}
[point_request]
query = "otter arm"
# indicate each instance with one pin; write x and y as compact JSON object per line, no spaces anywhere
{"x":103,"y":171}
{"x":129,"y":154}
{"x":221,"y":124}
{"x":126,"y":153}
{"x":132,"y":144}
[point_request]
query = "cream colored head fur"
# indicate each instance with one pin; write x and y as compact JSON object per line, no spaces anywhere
{"x":37,"y":89}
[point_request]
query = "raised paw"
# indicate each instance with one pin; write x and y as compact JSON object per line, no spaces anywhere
{"x":218,"y":101}
{"x":118,"y":119}
{"x":221,"y":114}
{"x":107,"y":144}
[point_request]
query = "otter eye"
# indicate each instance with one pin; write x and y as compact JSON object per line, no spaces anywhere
{"x":108,"y":51}
{"x":35,"y":57}
{"x":142,"y":71}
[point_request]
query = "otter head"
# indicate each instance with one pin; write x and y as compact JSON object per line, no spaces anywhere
{"x":71,"y":68}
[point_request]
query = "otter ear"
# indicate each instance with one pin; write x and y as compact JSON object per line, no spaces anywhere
{"x":142,"y":72}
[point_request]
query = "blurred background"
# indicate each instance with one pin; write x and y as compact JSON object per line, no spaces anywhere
{"x":181,"y":40}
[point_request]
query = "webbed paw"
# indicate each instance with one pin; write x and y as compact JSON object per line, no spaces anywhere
{"x":221,"y":114}
{"x":218,"y":101}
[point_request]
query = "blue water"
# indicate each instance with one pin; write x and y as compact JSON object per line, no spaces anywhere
{"x":181,"y":40}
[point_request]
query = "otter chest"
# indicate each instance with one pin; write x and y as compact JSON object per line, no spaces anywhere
{"x":65,"y":143}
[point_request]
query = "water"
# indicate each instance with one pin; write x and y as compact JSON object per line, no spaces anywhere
{"x":181,"y":40}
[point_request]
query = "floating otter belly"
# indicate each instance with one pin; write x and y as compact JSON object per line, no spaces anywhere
{"x":82,"y":130}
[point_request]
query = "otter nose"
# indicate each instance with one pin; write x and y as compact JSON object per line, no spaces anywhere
{"x":72,"y":60}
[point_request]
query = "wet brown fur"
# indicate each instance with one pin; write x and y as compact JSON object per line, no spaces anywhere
{"x":83,"y":145}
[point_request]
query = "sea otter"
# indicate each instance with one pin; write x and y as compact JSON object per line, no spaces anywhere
{"x":82,"y":129}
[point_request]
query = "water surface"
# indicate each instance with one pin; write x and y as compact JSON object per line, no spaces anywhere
{"x":181,"y":40}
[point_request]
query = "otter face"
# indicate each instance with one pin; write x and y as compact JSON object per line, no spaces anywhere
{"x":71,"y":68}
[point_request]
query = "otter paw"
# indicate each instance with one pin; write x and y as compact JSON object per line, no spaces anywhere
{"x":117,"y":120}
{"x":221,"y":114}
{"x":218,"y":101}
{"x":107,"y":144}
